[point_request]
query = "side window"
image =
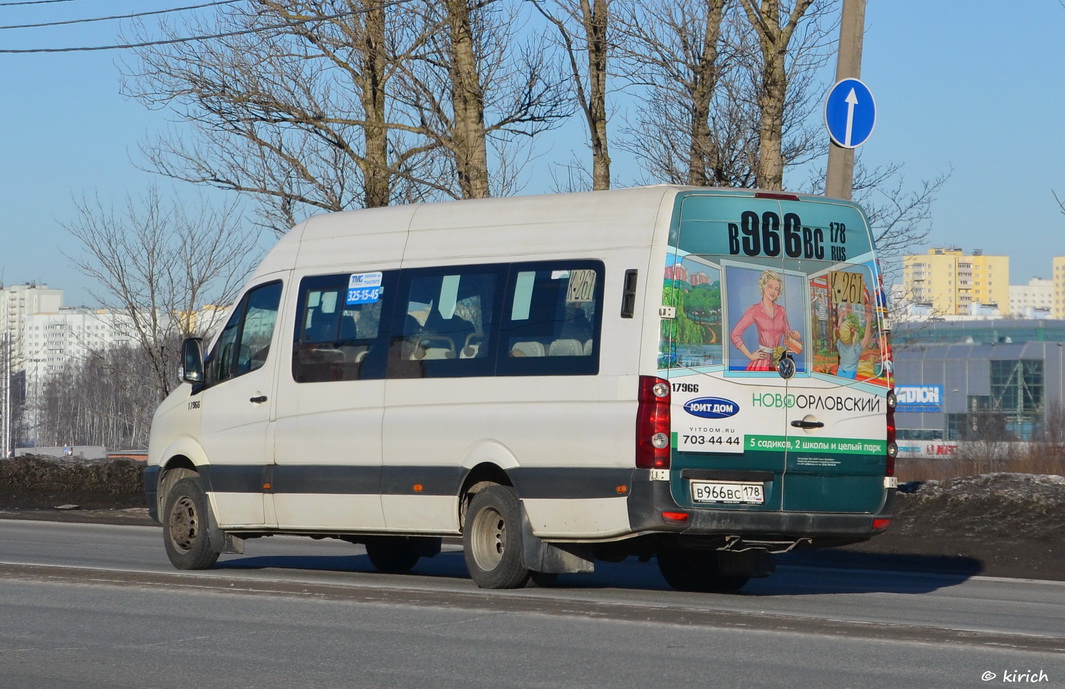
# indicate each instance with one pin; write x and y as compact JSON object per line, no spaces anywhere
{"x":339,"y":333}
{"x":444,"y":323}
{"x":552,"y":318}
{"x":244,"y":343}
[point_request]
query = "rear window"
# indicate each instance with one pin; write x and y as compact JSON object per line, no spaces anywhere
{"x":749,"y":227}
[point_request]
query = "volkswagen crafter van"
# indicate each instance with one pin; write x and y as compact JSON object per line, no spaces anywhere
{"x":696,"y":376}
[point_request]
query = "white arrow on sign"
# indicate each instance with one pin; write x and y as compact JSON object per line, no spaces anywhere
{"x":850,"y":113}
{"x":851,"y":100}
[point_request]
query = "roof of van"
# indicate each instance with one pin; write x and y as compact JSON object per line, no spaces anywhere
{"x":470,"y":229}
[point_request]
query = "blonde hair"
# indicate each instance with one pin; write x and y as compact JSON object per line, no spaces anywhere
{"x":766,"y":276}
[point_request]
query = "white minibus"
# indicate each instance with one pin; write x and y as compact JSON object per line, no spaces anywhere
{"x":696,"y":376}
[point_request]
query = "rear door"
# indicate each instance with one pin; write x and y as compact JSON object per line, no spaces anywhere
{"x":763,"y":417}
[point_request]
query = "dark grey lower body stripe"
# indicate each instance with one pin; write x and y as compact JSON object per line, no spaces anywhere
{"x":530,"y":483}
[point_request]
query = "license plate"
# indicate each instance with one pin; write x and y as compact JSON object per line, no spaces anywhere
{"x":728,"y":492}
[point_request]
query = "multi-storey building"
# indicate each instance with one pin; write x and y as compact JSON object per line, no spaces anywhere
{"x":39,"y":337}
{"x":1033,"y":300}
{"x":44,"y":335}
{"x":19,"y":301}
{"x":51,"y":340}
{"x":954,"y":283}
{"x":1058,"y":279}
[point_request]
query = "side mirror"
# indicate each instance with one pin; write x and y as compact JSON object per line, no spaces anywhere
{"x":192,"y":361}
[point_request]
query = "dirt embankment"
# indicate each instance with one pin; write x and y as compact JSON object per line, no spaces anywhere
{"x":72,"y":489}
{"x":1001,"y":524}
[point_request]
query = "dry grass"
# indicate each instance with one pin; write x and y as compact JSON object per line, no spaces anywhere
{"x":1035,"y":458}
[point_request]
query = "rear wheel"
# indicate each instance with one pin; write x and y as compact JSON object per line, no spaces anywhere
{"x":491,"y":539}
{"x":394,"y":555}
{"x":544,"y":580}
{"x":185,"y":526}
{"x":686,"y":569}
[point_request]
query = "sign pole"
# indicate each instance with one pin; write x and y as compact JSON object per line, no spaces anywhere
{"x":839,"y":181}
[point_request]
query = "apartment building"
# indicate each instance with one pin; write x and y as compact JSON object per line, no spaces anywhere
{"x":1032,"y":300}
{"x":19,"y":301}
{"x":1058,"y":305}
{"x":43,"y":335}
{"x":39,"y":337}
{"x":956,"y":284}
{"x":50,"y":340}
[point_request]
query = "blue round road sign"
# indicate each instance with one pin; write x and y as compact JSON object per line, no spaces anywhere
{"x":850,"y":113}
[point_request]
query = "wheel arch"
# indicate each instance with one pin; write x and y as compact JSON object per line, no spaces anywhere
{"x":488,"y":462}
{"x":482,"y":475}
{"x":175,"y":469}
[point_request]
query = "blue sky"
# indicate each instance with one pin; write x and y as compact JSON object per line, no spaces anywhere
{"x":971,"y":87}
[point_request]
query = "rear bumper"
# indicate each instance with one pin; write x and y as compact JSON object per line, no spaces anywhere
{"x":649,"y":499}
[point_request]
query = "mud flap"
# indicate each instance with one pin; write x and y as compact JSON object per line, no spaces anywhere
{"x":553,"y":558}
{"x":222,"y":542}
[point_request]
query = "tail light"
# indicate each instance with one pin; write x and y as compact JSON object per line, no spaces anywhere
{"x":892,"y":447}
{"x":652,"y":424}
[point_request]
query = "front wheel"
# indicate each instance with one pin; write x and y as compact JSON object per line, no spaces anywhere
{"x":491,"y":539}
{"x":185,"y":526}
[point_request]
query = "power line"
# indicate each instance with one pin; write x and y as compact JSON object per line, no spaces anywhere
{"x":192,"y":39}
{"x":120,"y":16}
{"x":32,"y":2}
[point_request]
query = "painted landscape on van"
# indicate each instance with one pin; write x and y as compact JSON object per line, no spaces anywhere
{"x":693,"y":336}
{"x":742,"y":318}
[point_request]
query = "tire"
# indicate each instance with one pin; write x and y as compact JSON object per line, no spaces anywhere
{"x":186,"y":519}
{"x":393,"y":555}
{"x":697,"y":571}
{"x":491,"y":539}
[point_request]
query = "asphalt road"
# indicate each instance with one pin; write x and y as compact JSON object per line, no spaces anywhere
{"x":87,"y":606}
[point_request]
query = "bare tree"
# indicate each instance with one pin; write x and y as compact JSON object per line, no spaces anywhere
{"x":329,"y":105}
{"x":699,"y":68}
{"x":675,"y":52}
{"x":477,"y":86}
{"x":583,"y":30}
{"x":101,"y":400}
{"x":159,"y":265}
{"x":11,"y":381}
{"x":986,"y":440}
{"x":776,"y":26}
{"x":293,"y":107}
{"x":468,"y":138}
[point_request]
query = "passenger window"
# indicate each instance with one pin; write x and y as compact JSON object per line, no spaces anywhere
{"x":446,"y":327}
{"x":338,"y":325}
{"x":552,"y":321}
{"x":244,"y":343}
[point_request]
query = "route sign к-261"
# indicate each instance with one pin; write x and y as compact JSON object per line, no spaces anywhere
{"x":850,"y":113}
